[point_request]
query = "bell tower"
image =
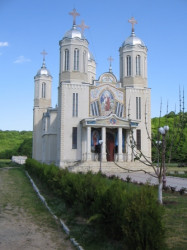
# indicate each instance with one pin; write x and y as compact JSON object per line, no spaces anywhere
{"x":75,"y":62}
{"x":133,"y":61}
{"x":42,"y":101}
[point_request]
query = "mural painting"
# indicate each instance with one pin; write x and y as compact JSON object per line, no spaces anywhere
{"x":107,"y":103}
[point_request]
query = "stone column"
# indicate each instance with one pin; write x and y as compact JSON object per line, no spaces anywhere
{"x":88,"y":138}
{"x":120,"y":141}
{"x":128,"y":146}
{"x":103,"y":149}
{"x":133,"y":134}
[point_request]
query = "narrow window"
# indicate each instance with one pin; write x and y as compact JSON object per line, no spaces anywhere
{"x":128,"y":65}
{"x":75,"y":104}
{"x":97,"y":109}
{"x":76,"y":59}
{"x":94,"y":108}
{"x":84,"y":61}
{"x":66,"y":60}
{"x":43,"y":90}
{"x":138,"y":73}
{"x":138,"y":108}
{"x":74,"y":138}
{"x":121,"y":67}
{"x":76,"y":109}
{"x":119,"y":109}
{"x":138,"y":139}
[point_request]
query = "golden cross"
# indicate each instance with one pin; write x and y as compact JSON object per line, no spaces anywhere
{"x":133,"y":22}
{"x":44,"y":53}
{"x":83,"y":26}
{"x":74,"y":14}
{"x":110,"y":59}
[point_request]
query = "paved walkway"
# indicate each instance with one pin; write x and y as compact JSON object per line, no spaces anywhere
{"x":141,"y":177}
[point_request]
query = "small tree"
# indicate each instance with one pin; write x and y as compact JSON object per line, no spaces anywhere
{"x":159,"y":143}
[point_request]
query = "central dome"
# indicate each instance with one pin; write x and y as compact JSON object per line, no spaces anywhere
{"x":133,"y":40}
{"x":74,"y":33}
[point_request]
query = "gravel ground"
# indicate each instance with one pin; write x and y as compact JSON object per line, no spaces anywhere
{"x":20,"y":228}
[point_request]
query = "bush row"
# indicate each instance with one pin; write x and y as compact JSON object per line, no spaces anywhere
{"x":122,"y":210}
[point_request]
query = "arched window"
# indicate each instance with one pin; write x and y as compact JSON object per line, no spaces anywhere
{"x":66,"y":65}
{"x":76,"y":59}
{"x":84,"y":61}
{"x":43,"y":90}
{"x":128,"y":65}
{"x":138,"y":72}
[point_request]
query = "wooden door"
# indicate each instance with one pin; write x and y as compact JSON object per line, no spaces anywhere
{"x":110,"y":147}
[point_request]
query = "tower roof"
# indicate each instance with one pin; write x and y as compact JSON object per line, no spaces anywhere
{"x":74,"y":32}
{"x":133,"y":39}
{"x":43,"y":70}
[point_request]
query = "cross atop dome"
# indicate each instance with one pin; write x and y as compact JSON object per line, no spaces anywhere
{"x":74,"y":14}
{"x":83,"y":26}
{"x":133,"y":22}
{"x":44,"y":53}
{"x":110,"y":59}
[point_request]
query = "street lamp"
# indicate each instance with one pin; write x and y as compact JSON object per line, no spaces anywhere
{"x":100,"y":142}
{"x":158,"y":143}
{"x":163,"y":131}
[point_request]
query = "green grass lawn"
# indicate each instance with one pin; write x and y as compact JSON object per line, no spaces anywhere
{"x":176,"y":220}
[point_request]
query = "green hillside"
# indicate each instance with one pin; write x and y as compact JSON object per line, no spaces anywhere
{"x":15,"y":143}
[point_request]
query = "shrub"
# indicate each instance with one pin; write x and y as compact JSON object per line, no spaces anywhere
{"x":122,"y":210}
{"x":142,"y":221}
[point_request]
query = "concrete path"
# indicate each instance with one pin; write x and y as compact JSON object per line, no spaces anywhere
{"x":141,"y":177}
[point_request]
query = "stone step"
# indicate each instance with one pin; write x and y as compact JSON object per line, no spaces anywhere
{"x":109,"y":167}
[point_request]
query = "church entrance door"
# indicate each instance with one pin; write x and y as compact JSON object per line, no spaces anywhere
{"x":110,"y":145}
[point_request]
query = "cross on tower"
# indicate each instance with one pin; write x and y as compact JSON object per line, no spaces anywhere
{"x":110,"y":59}
{"x":83,"y":26}
{"x":44,"y":53}
{"x":133,"y":22}
{"x":74,"y":14}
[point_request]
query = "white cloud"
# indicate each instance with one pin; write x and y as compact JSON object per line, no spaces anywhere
{"x":3,"y":44}
{"x":22,"y":59}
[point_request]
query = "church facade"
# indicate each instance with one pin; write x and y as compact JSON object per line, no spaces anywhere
{"x":95,"y":119}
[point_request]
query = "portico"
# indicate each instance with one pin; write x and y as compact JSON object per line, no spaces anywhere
{"x":115,"y":135}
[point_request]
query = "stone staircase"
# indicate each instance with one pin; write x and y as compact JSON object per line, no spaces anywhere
{"x":109,"y":167}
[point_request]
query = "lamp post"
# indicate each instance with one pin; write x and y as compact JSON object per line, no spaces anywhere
{"x":158,"y":143}
{"x":163,"y":131}
{"x":100,"y":143}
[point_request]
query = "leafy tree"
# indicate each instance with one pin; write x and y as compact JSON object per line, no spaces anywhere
{"x":10,"y":141}
{"x":26,"y":148}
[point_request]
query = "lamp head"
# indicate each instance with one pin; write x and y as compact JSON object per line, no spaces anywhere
{"x":166,"y":128}
{"x":161,"y":130}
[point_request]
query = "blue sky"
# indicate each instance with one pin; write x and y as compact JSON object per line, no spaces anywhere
{"x":29,"y":26}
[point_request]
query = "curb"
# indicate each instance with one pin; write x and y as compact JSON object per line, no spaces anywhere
{"x":62,"y":223}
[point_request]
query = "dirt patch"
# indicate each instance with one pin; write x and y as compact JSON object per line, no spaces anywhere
{"x":25,"y":223}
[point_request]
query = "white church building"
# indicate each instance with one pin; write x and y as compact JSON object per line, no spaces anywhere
{"x":95,"y":118}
